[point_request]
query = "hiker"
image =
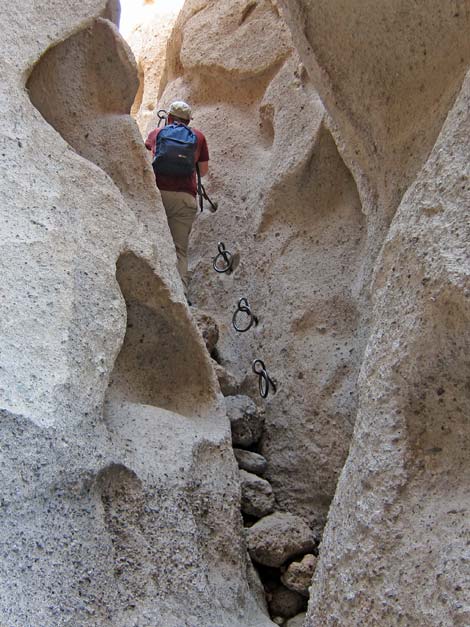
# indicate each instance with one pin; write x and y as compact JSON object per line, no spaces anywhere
{"x":177,"y":151}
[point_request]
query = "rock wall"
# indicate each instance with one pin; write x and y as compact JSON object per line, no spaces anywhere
{"x":339,"y":158}
{"x":395,"y":548}
{"x":120,"y":494}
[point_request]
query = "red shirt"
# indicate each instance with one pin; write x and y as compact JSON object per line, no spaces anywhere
{"x":186,"y":184}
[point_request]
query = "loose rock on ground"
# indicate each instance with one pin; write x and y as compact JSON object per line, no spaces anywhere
{"x":245,"y":420}
{"x":297,"y":621}
{"x":228,"y":383}
{"x":298,"y":575}
{"x":286,"y":603}
{"x":279,"y":537}
{"x":251,"y":462}
{"x":257,"y":495}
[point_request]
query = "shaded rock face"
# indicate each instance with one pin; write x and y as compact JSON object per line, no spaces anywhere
{"x":251,"y":462}
{"x":404,"y":489}
{"x":208,"y":328}
{"x":297,"y":621}
{"x":120,"y":493}
{"x":246,"y":421}
{"x":286,"y":603}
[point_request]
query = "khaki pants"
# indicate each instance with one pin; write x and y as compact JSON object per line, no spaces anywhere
{"x":181,"y":210}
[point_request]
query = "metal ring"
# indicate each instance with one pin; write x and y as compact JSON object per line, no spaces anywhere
{"x":258,"y":364}
{"x":244,"y":307}
{"x":265,"y":381}
{"x":226,"y":256}
{"x":162,"y":115}
{"x":263,"y":385}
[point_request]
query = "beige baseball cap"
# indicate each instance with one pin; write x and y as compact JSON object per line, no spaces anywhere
{"x":180,"y":109}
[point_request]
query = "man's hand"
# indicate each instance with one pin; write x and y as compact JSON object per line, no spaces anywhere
{"x":203,"y":167}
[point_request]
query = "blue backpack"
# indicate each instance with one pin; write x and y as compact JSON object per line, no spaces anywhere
{"x":175,"y":151}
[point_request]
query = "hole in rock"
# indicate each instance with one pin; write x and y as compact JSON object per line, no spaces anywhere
{"x":320,"y":196}
{"x":134,"y":554}
{"x":160,"y":363}
{"x":216,"y":356}
{"x":247,"y":11}
{"x":84,"y":88}
{"x":266,"y":115}
{"x":81,"y":79}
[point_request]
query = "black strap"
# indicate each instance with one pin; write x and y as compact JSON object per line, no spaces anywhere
{"x":201,"y":192}
{"x":199,"y":187}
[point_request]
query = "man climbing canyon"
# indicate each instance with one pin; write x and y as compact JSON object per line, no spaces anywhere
{"x":177,"y":150}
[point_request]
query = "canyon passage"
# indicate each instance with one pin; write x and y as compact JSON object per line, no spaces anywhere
{"x":161,"y":468}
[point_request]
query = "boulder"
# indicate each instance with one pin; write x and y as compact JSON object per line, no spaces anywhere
{"x":279,"y":537}
{"x":245,"y":420}
{"x":286,"y":603}
{"x":297,"y":621}
{"x":298,"y":576}
{"x":229,"y":385}
{"x":257,"y":495}
{"x":249,"y":461}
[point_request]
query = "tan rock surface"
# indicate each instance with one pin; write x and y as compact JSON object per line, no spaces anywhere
{"x":349,"y":225}
{"x":208,"y":327}
{"x":249,"y":461}
{"x":120,"y":495}
{"x":229,"y":386}
{"x":246,"y":421}
{"x":388,"y":75}
{"x":308,"y":242}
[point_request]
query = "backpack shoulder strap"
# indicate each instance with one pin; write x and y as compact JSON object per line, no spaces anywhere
{"x":203,"y":194}
{"x":199,"y":186}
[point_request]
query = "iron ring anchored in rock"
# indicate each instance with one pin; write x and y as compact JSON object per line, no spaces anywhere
{"x":245,"y":309}
{"x":223,"y":261}
{"x":265,"y":381}
{"x":162,"y":116}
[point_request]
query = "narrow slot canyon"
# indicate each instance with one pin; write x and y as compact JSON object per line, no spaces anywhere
{"x":152,"y":477}
{"x":297,"y":233}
